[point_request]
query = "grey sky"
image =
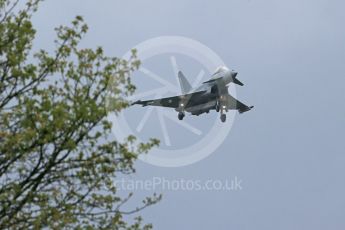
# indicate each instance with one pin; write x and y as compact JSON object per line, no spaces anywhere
{"x":289,"y":150}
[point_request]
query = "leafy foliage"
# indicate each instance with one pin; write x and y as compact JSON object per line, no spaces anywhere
{"x":58,"y":160}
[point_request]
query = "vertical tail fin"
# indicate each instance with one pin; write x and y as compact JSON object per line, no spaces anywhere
{"x":185,"y":86}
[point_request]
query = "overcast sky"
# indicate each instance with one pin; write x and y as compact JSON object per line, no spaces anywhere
{"x":288,"y":151}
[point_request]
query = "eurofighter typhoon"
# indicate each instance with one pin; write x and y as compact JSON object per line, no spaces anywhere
{"x":210,"y":95}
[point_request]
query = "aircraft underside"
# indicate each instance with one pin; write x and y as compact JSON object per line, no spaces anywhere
{"x":203,"y":104}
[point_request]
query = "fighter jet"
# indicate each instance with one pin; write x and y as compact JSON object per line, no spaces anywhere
{"x":210,"y":95}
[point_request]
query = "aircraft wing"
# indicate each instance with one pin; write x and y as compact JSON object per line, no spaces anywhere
{"x":233,"y":103}
{"x":172,"y":102}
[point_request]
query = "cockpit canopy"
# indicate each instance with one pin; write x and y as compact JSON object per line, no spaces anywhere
{"x":221,"y":69}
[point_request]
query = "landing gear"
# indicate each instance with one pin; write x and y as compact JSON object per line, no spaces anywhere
{"x":221,"y":108}
{"x":217,"y":106}
{"x":223,"y":117}
{"x":180,"y":116}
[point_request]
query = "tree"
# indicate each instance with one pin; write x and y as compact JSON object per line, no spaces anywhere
{"x":58,"y":159}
